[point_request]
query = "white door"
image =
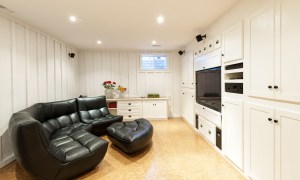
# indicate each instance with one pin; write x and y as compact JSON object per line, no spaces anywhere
{"x":148,"y":109}
{"x":233,"y":123}
{"x":160,"y":110}
{"x":190,"y":69}
{"x":287,"y":145}
{"x":288,"y":63}
{"x":233,"y":40}
{"x":262,"y":54}
{"x":183,"y":70}
{"x":262,"y":142}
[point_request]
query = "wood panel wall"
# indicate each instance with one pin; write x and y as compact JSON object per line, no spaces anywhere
{"x":123,"y":67}
{"x":34,"y":68}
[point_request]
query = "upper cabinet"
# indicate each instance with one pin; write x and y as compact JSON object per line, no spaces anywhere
{"x":274,"y":59}
{"x":233,"y":43}
{"x":262,"y":53}
{"x":187,"y":69}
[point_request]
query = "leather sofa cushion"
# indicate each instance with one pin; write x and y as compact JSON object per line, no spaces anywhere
{"x":78,"y":144}
{"x":130,"y":136}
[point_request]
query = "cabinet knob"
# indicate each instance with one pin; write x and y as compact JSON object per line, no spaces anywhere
{"x":203,"y":67}
{"x":129,"y":116}
{"x":223,"y":105}
{"x":196,"y":54}
{"x":204,"y":48}
{"x":270,"y":87}
{"x":129,"y":109}
{"x":209,"y":132}
{"x":129,"y":104}
{"x":270,"y":119}
{"x":202,"y":108}
{"x":199,"y":51}
{"x":201,"y":125}
{"x":276,"y":87}
{"x":275,"y":121}
{"x":219,"y":134}
{"x":182,"y":93}
{"x":217,"y":42}
{"x":223,"y":55}
{"x":210,"y":45}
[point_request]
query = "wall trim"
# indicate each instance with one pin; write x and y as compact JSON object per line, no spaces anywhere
{"x":7,"y":161}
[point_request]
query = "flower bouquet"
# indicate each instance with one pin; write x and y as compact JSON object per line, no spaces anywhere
{"x":109,"y":88}
{"x":122,"y":91}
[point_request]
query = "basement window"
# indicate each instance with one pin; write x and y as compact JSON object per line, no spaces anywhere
{"x":154,"y":62}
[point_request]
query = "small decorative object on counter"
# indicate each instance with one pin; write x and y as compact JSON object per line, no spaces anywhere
{"x":109,"y":88}
{"x":153,"y":95}
{"x":122,"y":91}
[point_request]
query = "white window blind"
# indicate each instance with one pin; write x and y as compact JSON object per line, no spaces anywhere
{"x":153,"y":62}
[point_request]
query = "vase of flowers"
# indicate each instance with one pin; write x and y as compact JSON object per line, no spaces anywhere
{"x":122,"y":91}
{"x":109,"y":88}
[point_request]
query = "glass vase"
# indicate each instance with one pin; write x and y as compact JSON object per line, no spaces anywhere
{"x":108,"y":93}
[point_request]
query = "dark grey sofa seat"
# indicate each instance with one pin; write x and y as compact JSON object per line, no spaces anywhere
{"x":93,"y":110}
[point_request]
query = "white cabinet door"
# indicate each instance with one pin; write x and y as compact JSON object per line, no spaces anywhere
{"x":202,"y":125}
{"x":262,"y":54}
{"x":160,"y":110}
{"x":183,"y":70}
{"x":287,"y":144}
{"x":233,"y":43}
{"x":233,"y":123}
{"x":262,"y":142}
{"x":287,"y":66}
{"x":148,"y":109}
{"x":190,"y":69}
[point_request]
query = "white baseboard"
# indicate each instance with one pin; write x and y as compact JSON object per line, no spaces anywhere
{"x":7,"y":161}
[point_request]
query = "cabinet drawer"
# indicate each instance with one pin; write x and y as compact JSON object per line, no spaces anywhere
{"x":211,"y":132}
{"x":209,"y":114}
{"x":131,"y":116}
{"x":202,"y":125}
{"x":217,"y":42}
{"x":130,"y":104}
{"x":129,"y":110}
{"x":210,"y":45}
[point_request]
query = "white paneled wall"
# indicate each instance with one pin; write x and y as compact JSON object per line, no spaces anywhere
{"x":123,"y":68}
{"x":34,"y":68}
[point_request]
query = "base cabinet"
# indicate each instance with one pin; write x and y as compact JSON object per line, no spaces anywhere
{"x":274,"y":143}
{"x":155,"y":110}
{"x":233,"y":126}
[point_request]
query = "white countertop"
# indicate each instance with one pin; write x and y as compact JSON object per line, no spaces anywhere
{"x":139,"y":99}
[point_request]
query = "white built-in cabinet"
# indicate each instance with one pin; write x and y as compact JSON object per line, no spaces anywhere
{"x":155,"y":110}
{"x":233,"y":43}
{"x":274,"y":59}
{"x":187,"y":106}
{"x":233,"y":130}
{"x":187,"y":70}
{"x":274,"y":143}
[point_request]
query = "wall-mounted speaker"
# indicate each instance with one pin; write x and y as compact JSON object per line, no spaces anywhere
{"x":181,"y":52}
{"x":200,"y":37}
{"x":71,"y":55}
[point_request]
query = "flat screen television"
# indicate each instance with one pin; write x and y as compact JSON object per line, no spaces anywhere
{"x":208,"y":88}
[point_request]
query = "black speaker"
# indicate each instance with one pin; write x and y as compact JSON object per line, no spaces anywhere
{"x":71,"y":55}
{"x":200,"y":37}
{"x":180,"y":52}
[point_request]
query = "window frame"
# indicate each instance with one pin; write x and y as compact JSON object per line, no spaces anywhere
{"x":154,"y":54}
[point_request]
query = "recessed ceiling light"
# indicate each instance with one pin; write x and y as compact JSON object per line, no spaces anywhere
{"x":73,"y":18}
{"x":160,"y":19}
{"x":99,"y":42}
{"x":153,"y":42}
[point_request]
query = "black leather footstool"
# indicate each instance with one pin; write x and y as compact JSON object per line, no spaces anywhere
{"x":130,"y":136}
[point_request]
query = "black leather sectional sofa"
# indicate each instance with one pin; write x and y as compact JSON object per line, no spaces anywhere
{"x":57,"y":140}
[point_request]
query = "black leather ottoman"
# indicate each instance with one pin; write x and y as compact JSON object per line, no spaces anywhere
{"x":130,"y":136}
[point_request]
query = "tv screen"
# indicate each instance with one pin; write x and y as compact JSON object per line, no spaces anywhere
{"x":208,"y":88}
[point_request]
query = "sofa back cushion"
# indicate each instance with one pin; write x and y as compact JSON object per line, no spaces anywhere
{"x":92,"y":107}
{"x":55,"y":115}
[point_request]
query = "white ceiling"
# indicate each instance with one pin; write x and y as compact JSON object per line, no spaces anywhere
{"x":120,"y":24}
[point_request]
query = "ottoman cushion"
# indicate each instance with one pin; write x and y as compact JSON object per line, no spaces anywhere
{"x":130,"y":136}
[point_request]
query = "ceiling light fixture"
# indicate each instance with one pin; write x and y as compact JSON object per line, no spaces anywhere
{"x":99,"y":42}
{"x":160,"y":19}
{"x":73,"y":18}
